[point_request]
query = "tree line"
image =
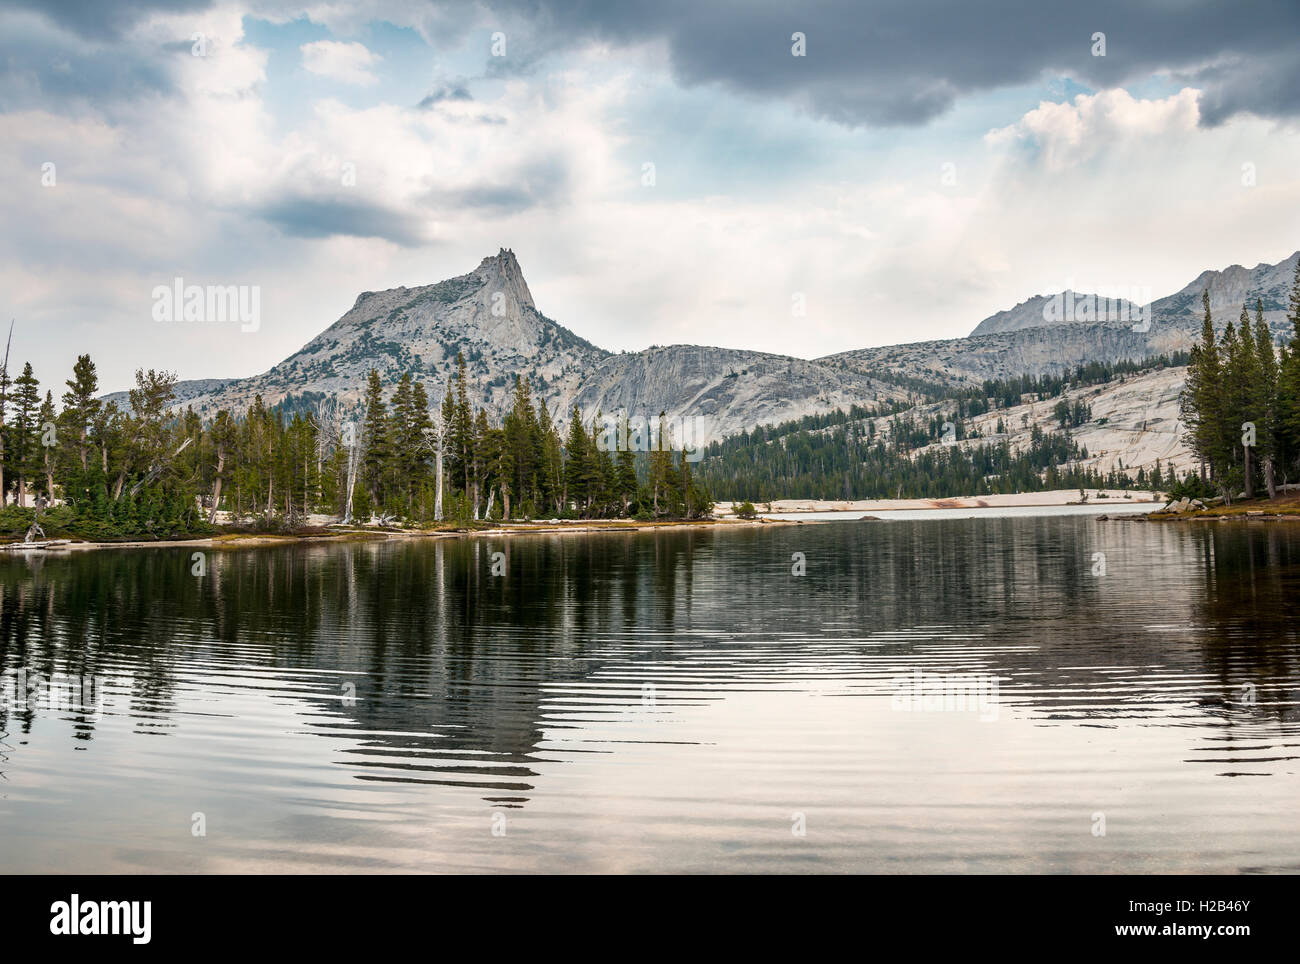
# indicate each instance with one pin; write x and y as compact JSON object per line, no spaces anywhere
{"x":89,"y":467}
{"x":1241,"y":402}
{"x":852,"y":461}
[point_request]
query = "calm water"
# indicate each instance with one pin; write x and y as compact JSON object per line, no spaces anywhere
{"x":675,"y":701}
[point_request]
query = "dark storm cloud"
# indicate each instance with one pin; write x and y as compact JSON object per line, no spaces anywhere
{"x":1268,"y":86}
{"x":304,"y":217}
{"x":895,"y":62}
{"x":882,"y":62}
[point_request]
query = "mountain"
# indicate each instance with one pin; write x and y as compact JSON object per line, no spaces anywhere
{"x":1229,"y":289}
{"x":1042,"y":311}
{"x":969,"y":361}
{"x":729,"y":390}
{"x":1010,"y":343}
{"x":489,"y":316}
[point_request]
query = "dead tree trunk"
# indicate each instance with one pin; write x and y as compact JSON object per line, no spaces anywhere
{"x":216,"y":484}
{"x":354,"y":456}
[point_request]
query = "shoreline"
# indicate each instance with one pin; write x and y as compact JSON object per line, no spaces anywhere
{"x":1286,"y":508}
{"x":231,"y":541}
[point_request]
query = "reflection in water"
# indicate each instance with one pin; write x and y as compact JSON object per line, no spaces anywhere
{"x":659,"y":701}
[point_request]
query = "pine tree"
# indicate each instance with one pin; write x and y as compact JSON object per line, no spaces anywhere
{"x":1289,"y":382}
{"x":522,"y":439}
{"x":401,"y":468}
{"x":462,"y":431}
{"x":626,"y":481}
{"x":577,"y":463}
{"x":1266,"y":401}
{"x":550,"y":471}
{"x":481,"y":459}
{"x":24,"y":443}
{"x":1202,"y":402}
{"x":46,"y":420}
{"x":378,"y":450}
{"x":419,"y":435}
{"x":1244,"y":383}
{"x":81,"y":405}
{"x":687,"y":509}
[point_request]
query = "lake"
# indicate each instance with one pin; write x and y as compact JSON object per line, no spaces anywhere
{"x":1001,"y":694}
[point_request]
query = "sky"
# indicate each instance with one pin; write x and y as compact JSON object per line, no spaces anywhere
{"x":794,"y":178}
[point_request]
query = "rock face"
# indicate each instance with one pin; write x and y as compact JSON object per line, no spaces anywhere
{"x":728,"y":390}
{"x":968,"y":361}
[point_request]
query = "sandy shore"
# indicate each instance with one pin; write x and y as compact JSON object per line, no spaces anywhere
{"x":1053,"y":497}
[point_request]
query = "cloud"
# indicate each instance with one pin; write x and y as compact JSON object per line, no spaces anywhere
{"x":905,"y":62}
{"x":446,"y":92}
{"x":1071,"y":133}
{"x":1262,"y":83}
{"x":305,"y":217}
{"x":1112,"y":190}
{"x":44,"y":65}
{"x":898,"y":63}
{"x":348,"y":63}
{"x":97,"y":20}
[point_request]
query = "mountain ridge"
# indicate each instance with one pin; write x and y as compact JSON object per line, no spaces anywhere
{"x":489,"y":317}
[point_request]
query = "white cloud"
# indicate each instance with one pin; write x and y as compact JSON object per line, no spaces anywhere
{"x":349,"y":63}
{"x":1070,"y":133}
